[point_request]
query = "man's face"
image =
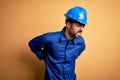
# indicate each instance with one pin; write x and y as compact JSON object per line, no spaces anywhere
{"x":75,"y":29}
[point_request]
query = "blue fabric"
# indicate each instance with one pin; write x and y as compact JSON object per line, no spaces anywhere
{"x":59,"y":54}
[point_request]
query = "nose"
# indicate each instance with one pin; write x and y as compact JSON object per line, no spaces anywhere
{"x":81,"y":28}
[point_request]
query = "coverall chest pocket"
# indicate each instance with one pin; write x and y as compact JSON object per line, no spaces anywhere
{"x":56,"y":50}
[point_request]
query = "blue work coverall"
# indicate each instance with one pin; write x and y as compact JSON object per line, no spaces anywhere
{"x":59,"y":54}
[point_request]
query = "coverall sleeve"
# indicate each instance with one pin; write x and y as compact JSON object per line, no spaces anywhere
{"x":37,"y":45}
{"x":83,"y":46}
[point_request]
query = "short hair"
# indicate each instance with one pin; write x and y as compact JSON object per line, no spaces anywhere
{"x":73,"y":21}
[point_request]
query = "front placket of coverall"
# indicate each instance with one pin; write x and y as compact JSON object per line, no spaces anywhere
{"x":66,"y":59}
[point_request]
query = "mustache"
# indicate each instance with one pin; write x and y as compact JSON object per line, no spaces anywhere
{"x":79,"y":31}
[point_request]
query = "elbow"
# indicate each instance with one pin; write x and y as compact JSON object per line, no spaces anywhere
{"x":30,"y":43}
{"x":31,"y":46}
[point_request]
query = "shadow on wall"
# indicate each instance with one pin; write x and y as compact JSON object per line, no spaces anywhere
{"x":34,"y":65}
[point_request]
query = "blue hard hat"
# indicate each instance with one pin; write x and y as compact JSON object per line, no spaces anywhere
{"x":77,"y":13}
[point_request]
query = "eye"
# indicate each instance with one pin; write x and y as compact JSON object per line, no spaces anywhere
{"x":79,"y":25}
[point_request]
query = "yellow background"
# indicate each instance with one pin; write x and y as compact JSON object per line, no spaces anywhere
{"x":21,"y":20}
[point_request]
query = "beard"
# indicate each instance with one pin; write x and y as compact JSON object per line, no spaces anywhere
{"x":75,"y":34}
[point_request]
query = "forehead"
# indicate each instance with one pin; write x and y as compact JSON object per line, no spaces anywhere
{"x":78,"y":24}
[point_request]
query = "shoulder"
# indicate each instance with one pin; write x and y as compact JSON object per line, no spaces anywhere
{"x":52,"y":36}
{"x":80,"y":40}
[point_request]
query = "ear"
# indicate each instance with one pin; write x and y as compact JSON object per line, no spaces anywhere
{"x":68,"y":25}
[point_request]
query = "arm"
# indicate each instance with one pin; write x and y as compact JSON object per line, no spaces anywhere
{"x":37,"y":44}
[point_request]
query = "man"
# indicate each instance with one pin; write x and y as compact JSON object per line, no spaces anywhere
{"x":60,"y":49}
